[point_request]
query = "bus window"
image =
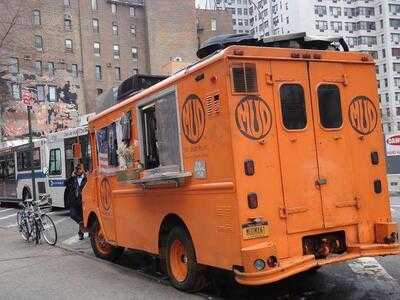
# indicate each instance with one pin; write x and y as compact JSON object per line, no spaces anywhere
{"x":23,"y":160}
{"x":330,"y":111}
{"x":160,"y":133}
{"x":10,"y":167}
{"x":293,"y":106}
{"x":55,"y":162}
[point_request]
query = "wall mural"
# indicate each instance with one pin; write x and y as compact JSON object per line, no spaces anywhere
{"x":47,"y":116}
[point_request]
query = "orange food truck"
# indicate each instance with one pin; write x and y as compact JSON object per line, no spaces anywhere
{"x":265,"y":158}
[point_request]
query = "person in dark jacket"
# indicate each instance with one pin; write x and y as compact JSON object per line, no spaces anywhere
{"x":73,"y":196}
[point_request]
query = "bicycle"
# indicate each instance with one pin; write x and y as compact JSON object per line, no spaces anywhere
{"x":33,"y":224}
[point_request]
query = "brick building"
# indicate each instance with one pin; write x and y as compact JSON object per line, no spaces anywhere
{"x":69,"y":51}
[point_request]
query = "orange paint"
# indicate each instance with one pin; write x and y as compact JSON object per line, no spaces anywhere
{"x":307,"y":119}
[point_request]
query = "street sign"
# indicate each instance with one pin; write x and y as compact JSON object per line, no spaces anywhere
{"x":27,"y":98}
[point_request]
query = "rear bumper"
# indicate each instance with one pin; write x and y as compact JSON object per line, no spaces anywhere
{"x":292,"y":266}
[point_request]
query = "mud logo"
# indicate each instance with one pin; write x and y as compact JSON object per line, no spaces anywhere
{"x":105,"y":195}
{"x":363,"y":115}
{"x":253,"y":117}
{"x":193,"y":119}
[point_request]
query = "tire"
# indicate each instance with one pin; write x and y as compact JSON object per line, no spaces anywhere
{"x":48,"y":230}
{"x":23,"y":226}
{"x":101,"y":247}
{"x":181,"y":264}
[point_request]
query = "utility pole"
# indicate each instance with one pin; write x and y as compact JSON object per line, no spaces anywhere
{"x":27,"y":99}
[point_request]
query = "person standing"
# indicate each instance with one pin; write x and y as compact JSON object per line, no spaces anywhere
{"x":73,"y":196}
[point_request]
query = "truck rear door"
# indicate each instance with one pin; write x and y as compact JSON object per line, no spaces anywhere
{"x":330,"y":91}
{"x":297,"y":147}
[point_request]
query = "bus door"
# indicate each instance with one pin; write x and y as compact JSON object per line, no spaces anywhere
{"x":297,"y":149}
{"x":56,"y":174}
{"x":329,"y":88}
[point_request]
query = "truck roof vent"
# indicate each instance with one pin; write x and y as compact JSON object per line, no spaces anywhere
{"x":244,"y":78}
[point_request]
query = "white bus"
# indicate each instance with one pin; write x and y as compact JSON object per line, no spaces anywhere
{"x":15,"y":169}
{"x":62,"y":162}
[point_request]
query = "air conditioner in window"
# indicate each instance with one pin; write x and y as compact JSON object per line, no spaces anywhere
{"x":108,"y":65}
{"x":61,"y":61}
{"x":27,"y":57}
{"x":67,"y":17}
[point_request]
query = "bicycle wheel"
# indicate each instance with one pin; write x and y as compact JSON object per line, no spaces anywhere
{"x":23,"y":225}
{"x":49,"y":231}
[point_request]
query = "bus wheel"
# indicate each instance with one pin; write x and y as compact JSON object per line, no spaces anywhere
{"x":181,"y":265}
{"x":101,"y":247}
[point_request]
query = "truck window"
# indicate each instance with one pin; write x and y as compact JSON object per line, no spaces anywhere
{"x":159,"y":126}
{"x":107,"y":147}
{"x":293,"y":106}
{"x":244,"y":77}
{"x":330,"y":111}
{"x":55,"y":162}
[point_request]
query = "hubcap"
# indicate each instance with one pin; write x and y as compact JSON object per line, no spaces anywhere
{"x":178,"y":261}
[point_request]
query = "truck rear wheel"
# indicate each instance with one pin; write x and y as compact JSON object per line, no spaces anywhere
{"x":181,"y":264}
{"x":100,"y":246}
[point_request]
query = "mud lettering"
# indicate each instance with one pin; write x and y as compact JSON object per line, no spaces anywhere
{"x":193,"y":119}
{"x":363,"y":115}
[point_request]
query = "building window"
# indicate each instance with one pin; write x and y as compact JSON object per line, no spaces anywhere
{"x":16,"y":91}
{"x":132,"y":11}
{"x":51,"y":68}
{"x":213,"y":25}
{"x":52,"y":95}
{"x":36,"y":19}
{"x":68,"y":45}
{"x":134,"y":53}
{"x":96,"y":48}
{"x":38,"y":43}
{"x":136,"y":71}
{"x":94,"y":4}
{"x":116,"y":51}
{"x":67,"y":3}
{"x":74,"y":69}
{"x":95,"y":24}
{"x":67,"y":23}
{"x":117,"y":73}
{"x":115,"y":28}
{"x":98,"y":72}
{"x":397,"y":111}
{"x":99,"y":91}
{"x":113,"y":8}
{"x":40,"y":93}
{"x":14,"y":65}
{"x":133,"y":31}
{"x":38,"y":67}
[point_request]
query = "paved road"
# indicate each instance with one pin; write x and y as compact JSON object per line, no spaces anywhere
{"x":71,"y":271}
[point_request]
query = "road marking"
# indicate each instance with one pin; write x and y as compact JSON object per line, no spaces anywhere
{"x":7,"y":209}
{"x":9,"y":216}
{"x":74,"y":239}
{"x":369,"y":266}
{"x":61,"y":220}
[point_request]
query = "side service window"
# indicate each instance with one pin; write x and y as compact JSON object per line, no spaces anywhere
{"x":293,"y":106}
{"x":159,"y":126}
{"x":330,"y":111}
{"x":55,"y":162}
{"x":107,"y":147}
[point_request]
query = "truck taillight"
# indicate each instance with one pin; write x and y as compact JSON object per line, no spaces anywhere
{"x":252,"y":200}
{"x":249,"y":167}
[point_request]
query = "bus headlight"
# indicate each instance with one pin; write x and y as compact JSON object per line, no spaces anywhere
{"x":259,"y":264}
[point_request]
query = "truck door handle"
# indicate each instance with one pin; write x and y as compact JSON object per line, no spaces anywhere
{"x":321,"y":181}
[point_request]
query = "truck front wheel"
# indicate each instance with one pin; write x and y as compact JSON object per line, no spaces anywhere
{"x":100,"y":246}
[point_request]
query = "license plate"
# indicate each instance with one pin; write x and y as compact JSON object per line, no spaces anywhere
{"x":255,"y":231}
